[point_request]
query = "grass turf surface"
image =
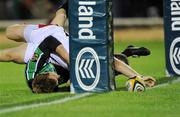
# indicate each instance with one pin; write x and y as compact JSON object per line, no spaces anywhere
{"x":163,"y":101}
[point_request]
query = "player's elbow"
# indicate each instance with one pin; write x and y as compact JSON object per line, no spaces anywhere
{"x":6,"y":56}
{"x":11,"y":31}
{"x":15,"y":32}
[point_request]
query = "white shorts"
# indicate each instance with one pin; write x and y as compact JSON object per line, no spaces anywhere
{"x":35,"y":35}
{"x":28,"y":31}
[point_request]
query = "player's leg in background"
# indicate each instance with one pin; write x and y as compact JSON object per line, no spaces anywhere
{"x":15,"y":54}
{"x":60,"y":18}
{"x":131,"y":51}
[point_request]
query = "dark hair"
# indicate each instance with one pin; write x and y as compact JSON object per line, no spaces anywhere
{"x":43,"y":84}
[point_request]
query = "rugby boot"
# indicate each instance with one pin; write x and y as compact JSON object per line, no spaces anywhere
{"x":136,"y":51}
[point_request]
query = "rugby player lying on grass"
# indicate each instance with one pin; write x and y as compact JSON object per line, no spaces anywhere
{"x":48,"y":45}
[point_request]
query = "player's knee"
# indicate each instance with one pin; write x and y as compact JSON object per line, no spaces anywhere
{"x":6,"y":55}
{"x":10,"y":55}
{"x":14,"y":32}
{"x":11,"y":32}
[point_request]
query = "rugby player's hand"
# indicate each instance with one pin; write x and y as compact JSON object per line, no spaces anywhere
{"x":149,"y":81}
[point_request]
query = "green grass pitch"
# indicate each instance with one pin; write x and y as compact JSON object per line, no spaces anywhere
{"x":162,"y":101}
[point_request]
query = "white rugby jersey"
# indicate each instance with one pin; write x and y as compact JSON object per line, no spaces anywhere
{"x":35,"y":34}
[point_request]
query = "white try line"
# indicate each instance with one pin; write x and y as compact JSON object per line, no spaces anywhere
{"x":66,"y":99}
{"x":59,"y":101}
{"x":167,"y":83}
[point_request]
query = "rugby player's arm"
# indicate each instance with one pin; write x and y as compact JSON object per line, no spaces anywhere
{"x":40,"y":58}
{"x":60,"y":50}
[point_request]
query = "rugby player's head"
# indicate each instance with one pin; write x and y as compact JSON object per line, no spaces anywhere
{"x":45,"y":83}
